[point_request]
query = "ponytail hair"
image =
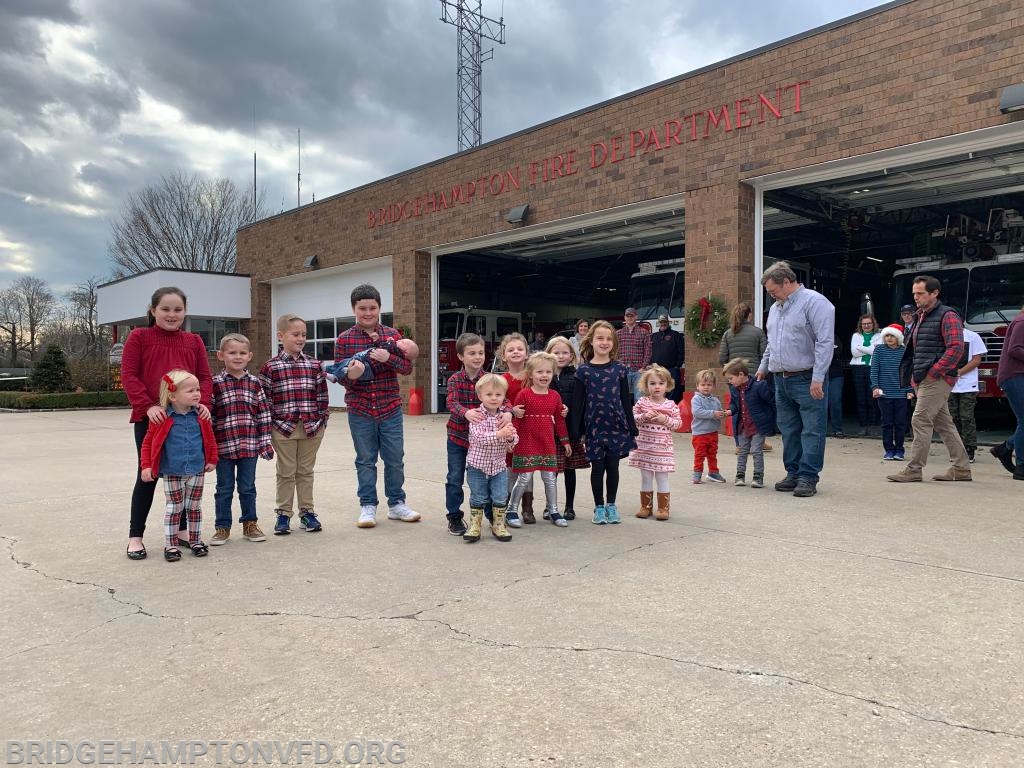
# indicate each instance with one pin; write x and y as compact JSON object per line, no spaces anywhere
{"x":741,"y":313}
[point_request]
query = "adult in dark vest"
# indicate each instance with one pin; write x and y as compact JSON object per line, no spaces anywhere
{"x":930,"y":364}
{"x":667,"y":350}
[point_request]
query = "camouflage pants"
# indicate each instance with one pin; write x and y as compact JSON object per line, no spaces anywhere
{"x":961,"y":410}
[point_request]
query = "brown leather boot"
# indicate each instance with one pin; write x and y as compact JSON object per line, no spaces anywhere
{"x":526,"y":509}
{"x":646,"y":504}
{"x":663,"y":499}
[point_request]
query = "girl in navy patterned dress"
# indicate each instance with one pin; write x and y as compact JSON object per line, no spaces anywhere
{"x":602,"y":414}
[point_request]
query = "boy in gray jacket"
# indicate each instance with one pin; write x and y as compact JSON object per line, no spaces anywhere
{"x":707,"y":418}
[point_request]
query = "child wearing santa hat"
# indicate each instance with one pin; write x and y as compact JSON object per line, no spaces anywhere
{"x":885,"y":388}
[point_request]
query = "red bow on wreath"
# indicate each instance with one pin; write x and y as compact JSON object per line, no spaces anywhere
{"x":705,"y":313}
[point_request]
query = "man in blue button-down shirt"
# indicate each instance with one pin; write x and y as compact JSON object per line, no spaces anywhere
{"x":801,"y":327}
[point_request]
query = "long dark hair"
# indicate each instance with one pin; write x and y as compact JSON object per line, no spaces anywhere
{"x":168,"y":290}
{"x":741,"y":314}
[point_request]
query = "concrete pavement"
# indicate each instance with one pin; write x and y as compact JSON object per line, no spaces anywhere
{"x":874,"y":624}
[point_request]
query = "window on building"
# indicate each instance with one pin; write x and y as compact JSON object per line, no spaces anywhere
{"x":321,"y":334}
{"x":211,"y":330}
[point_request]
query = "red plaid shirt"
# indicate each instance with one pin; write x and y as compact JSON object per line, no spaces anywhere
{"x":297,"y":391}
{"x":377,"y":399}
{"x":241,"y":416}
{"x":461,"y":398}
{"x":953,"y":338}
{"x":634,"y":347}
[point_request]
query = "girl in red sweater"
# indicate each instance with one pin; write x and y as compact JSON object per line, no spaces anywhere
{"x":181,"y":449}
{"x":512,"y":353}
{"x":148,"y":354}
{"x":538,"y":426}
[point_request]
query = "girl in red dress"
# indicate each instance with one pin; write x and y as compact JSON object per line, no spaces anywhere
{"x":538,"y":426}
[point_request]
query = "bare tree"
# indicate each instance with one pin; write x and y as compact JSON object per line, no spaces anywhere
{"x":183,"y":222}
{"x":74,"y":326}
{"x":25,"y":308}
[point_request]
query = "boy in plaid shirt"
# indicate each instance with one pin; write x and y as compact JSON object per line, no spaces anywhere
{"x":491,"y":437}
{"x":241,"y":424}
{"x":295,"y":385}
{"x":375,"y":408}
{"x":462,"y":401}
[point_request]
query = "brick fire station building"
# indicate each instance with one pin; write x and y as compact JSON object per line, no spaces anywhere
{"x":844,"y":149}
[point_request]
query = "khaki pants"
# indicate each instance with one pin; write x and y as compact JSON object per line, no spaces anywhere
{"x":296,"y":458}
{"x":932,"y":413}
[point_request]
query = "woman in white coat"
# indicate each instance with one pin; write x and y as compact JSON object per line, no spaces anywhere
{"x":861,"y":345}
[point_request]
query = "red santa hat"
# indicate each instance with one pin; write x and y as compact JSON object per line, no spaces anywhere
{"x":895,"y":329}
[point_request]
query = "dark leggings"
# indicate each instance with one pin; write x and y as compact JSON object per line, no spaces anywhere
{"x":598,"y":469}
{"x":142,"y":494}
{"x":570,"y":487}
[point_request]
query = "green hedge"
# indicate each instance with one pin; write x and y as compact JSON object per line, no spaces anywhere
{"x":31,"y":400}
{"x":13,"y":384}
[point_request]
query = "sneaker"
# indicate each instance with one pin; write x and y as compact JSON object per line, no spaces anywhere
{"x":557,"y":519}
{"x":220,"y":537}
{"x":456,"y":526}
{"x":805,"y":489}
{"x":889,"y":456}
{"x":898,"y":456}
{"x":757,"y":482}
{"x":715,"y":477}
{"x":512,"y":520}
{"x":251,"y":531}
{"x":600,"y":517}
{"x":696,"y":478}
{"x":308,"y":521}
{"x":786,"y":485}
{"x":546,"y":515}
{"x":401,"y":511}
{"x":283,"y":525}
{"x":740,"y":481}
{"x":839,"y":435}
{"x":970,"y":454}
{"x":611,"y":514}
{"x":367,"y":516}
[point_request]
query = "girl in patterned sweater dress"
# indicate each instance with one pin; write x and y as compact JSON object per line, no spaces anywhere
{"x":602,"y":414}
{"x":538,"y":426}
{"x":657,"y":418}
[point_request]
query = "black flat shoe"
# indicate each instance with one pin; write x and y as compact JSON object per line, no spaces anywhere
{"x":172,"y":554}
{"x":200,"y":550}
{"x":138,"y":554}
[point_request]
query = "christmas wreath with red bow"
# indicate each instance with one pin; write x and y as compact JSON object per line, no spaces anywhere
{"x":706,"y":320}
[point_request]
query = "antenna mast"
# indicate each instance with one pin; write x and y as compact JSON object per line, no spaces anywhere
{"x":473,"y":27}
{"x":298,"y":176}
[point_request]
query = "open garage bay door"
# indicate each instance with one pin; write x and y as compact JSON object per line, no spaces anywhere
{"x":543,"y":277}
{"x":860,"y":229}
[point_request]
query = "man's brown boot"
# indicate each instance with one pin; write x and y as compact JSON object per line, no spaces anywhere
{"x":663,"y":499}
{"x":646,"y":504}
{"x":953,"y":473}
{"x":908,"y":475}
{"x":526,"y":508}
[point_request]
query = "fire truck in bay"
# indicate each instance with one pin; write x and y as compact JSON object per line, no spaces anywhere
{"x":489,"y":324}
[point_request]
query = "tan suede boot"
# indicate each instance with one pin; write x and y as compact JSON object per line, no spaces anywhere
{"x":526,"y":509}
{"x":476,"y":517}
{"x":663,"y":500}
{"x":498,"y":528}
{"x":646,"y":504}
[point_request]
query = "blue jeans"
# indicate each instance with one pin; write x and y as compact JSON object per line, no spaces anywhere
{"x":835,"y":403}
{"x":453,"y":493}
{"x":227,"y":472}
{"x":486,"y":491}
{"x":801,"y":421}
{"x":634,"y":381}
{"x":385,"y":439}
{"x":1014,"y":391}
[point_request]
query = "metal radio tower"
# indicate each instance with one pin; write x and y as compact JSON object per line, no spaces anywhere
{"x":473,"y":26}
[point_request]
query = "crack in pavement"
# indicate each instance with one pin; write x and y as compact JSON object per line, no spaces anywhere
{"x":467,"y":637}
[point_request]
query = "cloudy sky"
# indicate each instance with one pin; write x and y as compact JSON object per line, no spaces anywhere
{"x":98,"y":98}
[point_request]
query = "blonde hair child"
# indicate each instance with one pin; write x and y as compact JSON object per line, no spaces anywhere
{"x":170,"y":449}
{"x":707,"y":420}
{"x":536,"y":449}
{"x":566,"y":360}
{"x":657,"y":417}
{"x":512,"y":352}
{"x":602,"y":412}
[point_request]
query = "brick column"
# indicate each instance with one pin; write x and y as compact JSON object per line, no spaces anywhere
{"x":719,"y":255}
{"x":411,"y":298}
